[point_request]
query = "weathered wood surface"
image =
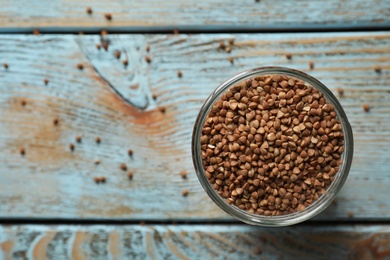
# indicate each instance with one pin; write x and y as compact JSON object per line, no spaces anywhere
{"x":115,"y":103}
{"x":193,"y":14}
{"x":194,"y":242}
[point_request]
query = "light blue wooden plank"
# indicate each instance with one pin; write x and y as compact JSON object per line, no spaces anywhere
{"x":52,"y":182}
{"x":194,"y":15}
{"x":194,"y":242}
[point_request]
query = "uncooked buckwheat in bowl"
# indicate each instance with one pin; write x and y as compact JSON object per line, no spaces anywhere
{"x":272,"y":146}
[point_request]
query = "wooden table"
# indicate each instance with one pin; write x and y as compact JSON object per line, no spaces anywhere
{"x":50,"y":206}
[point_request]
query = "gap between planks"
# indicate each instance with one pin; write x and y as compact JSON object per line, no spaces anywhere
{"x":200,"y":29}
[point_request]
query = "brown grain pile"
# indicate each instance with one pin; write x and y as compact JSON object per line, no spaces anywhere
{"x":271,"y":145}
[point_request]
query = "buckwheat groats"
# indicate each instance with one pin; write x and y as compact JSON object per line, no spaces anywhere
{"x":271,"y":145}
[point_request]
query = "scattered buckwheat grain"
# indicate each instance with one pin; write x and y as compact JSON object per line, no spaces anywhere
{"x":117,"y":54}
{"x":162,"y":109}
{"x":123,"y":167}
{"x":183,"y":174}
{"x":340,"y":91}
{"x":148,"y":59}
{"x":108,"y":16}
{"x":99,"y":179}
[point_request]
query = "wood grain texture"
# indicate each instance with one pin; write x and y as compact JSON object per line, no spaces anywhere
{"x":115,"y":103}
{"x":194,"y":242}
{"x":193,"y":14}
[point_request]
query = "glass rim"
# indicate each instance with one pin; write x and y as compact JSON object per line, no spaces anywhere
{"x":283,"y":220}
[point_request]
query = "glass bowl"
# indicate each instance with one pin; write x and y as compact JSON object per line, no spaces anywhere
{"x":282,"y":220}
